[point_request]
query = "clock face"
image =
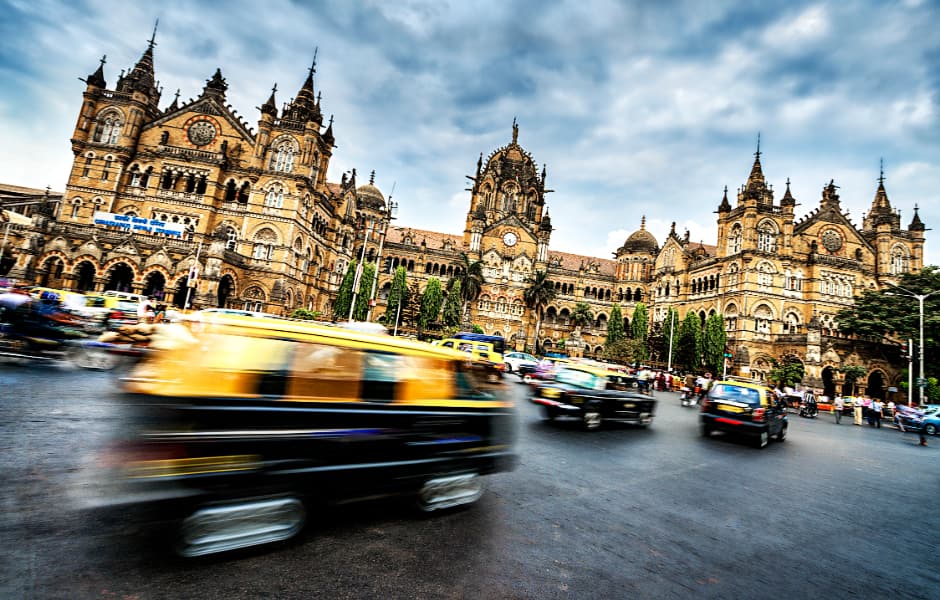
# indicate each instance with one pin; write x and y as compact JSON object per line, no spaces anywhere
{"x":510,"y":239}
{"x":201,"y":133}
{"x":831,"y":240}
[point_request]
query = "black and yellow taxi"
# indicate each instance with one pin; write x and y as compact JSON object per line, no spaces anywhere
{"x":240,"y":423}
{"x":592,"y":395}
{"x":746,"y":408}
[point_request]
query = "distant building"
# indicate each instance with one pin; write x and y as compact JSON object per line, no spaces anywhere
{"x":191,"y":188}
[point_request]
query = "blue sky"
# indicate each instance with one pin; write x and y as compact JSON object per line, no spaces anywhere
{"x":636,"y":107}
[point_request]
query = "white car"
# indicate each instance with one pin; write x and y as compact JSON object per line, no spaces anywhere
{"x":518,"y":362}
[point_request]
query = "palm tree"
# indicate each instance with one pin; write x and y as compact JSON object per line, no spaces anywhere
{"x":470,"y":276}
{"x":582,"y":315}
{"x":540,"y":292}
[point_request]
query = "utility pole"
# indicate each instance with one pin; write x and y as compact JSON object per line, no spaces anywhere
{"x":386,"y":221}
{"x":672,"y":328}
{"x":362,"y":258}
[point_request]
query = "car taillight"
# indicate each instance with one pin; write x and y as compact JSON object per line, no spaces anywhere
{"x":758,"y":415}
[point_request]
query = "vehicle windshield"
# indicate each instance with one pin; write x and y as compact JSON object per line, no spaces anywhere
{"x":581,"y":379}
{"x":735,"y":394}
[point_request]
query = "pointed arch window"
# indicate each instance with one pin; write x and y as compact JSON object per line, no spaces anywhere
{"x":108,"y":128}
{"x":282,"y":158}
{"x":231,"y":238}
{"x":265,"y":242}
{"x":765,"y":275}
{"x":734,"y":240}
{"x":767,"y":237}
{"x":899,"y":260}
{"x":76,"y":206}
{"x":274,"y":198}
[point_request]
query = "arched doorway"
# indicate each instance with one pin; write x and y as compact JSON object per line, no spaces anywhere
{"x":226,"y":289}
{"x":876,"y":385}
{"x":179,"y":295}
{"x":52,"y":275}
{"x":120,"y":278}
{"x":829,"y":384}
{"x":86,"y":277}
{"x":154,"y":285}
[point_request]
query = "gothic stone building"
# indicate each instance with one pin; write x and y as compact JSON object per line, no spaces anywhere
{"x":266,"y":231}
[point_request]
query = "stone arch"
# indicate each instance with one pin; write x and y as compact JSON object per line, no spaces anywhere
{"x":84,"y":273}
{"x":829,"y":381}
{"x":53,"y":271}
{"x":155,"y":283}
{"x":876,"y":384}
{"x":228,"y":288}
{"x":120,"y":276}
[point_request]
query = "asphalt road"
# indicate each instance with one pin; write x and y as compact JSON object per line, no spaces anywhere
{"x":833,"y":512}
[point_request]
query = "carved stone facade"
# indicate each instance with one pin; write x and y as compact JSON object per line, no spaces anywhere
{"x":266,"y":231}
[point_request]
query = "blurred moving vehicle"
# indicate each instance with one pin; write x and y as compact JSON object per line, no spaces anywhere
{"x":483,"y":356}
{"x":520,"y":363}
{"x":593,"y":396}
{"x":242,"y":422}
{"x":926,"y":419}
{"x":748,"y":409}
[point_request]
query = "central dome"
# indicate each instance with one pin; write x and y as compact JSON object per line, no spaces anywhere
{"x":641,"y":240}
{"x":370,"y":196}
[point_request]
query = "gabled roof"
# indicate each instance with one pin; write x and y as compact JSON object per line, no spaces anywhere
{"x":210,"y":106}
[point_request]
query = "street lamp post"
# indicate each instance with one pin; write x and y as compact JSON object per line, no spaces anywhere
{"x":362,"y":258}
{"x":920,"y":351}
{"x":386,"y":221}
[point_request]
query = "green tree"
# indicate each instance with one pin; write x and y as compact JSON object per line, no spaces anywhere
{"x":614,"y":326}
{"x":714,"y":343}
{"x":344,"y":295}
{"x":688,"y":353}
{"x":896,"y":313}
{"x":852,"y":374}
{"x":624,"y":351}
{"x":470,"y":276}
{"x":582,"y":315}
{"x":537,"y":295}
{"x":640,"y":327}
{"x":397,"y":295}
{"x":788,"y":372}
{"x":365,"y":289}
{"x":451,"y":314}
{"x":476,"y":329}
{"x":431,"y":302}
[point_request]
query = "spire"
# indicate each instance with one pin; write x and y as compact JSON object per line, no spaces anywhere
{"x":881,"y":204}
{"x":788,"y":199}
{"x":305,"y":107}
{"x":515,"y":131}
{"x":270,"y":106}
{"x":725,"y":206}
{"x":479,"y":165}
{"x":175,"y":104}
{"x":141,"y":77}
{"x":153,"y":37}
{"x":328,"y":135}
{"x":757,"y":173}
{"x":216,"y":85}
{"x":372,"y":177}
{"x":97,"y":78}
{"x":544,"y":167}
{"x":916,"y":223}
{"x":643,"y":223}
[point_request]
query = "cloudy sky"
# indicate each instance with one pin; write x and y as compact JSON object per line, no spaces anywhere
{"x":637,"y":108}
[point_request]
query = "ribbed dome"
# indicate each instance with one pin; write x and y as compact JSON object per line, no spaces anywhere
{"x":369,"y":196}
{"x":641,"y":240}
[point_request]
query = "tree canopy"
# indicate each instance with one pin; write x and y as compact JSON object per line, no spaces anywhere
{"x":397,"y":295}
{"x":344,"y":295}
{"x":582,"y":314}
{"x":689,"y":355}
{"x":713,"y":344}
{"x":451,"y":314}
{"x":787,"y":372}
{"x":615,"y":331}
{"x":640,"y":327}
{"x":896,"y":313}
{"x":431,"y":302}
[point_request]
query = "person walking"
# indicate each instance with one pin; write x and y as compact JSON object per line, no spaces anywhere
{"x":837,"y":405}
{"x":876,"y":409}
{"x":857,"y":410}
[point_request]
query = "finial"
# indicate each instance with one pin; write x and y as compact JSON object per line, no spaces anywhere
{"x":643,"y":222}
{"x":331,"y":120}
{"x":372,"y":178}
{"x":881,"y":176}
{"x":757,"y":154}
{"x":153,"y":37}
{"x":274,"y":88}
{"x":515,"y":131}
{"x":672,"y":229}
{"x":319,"y":95}
{"x":313,"y":66}
{"x":104,"y":59}
{"x":177,"y":96}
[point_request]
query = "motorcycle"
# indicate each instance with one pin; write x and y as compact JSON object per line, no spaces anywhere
{"x":689,"y":397}
{"x":809,"y":409}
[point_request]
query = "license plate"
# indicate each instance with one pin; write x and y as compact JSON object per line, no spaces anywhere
{"x":730,"y":409}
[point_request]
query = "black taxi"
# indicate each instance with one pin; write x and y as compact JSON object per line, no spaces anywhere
{"x":592,"y":395}
{"x":240,"y":424}
{"x":746,"y":408}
